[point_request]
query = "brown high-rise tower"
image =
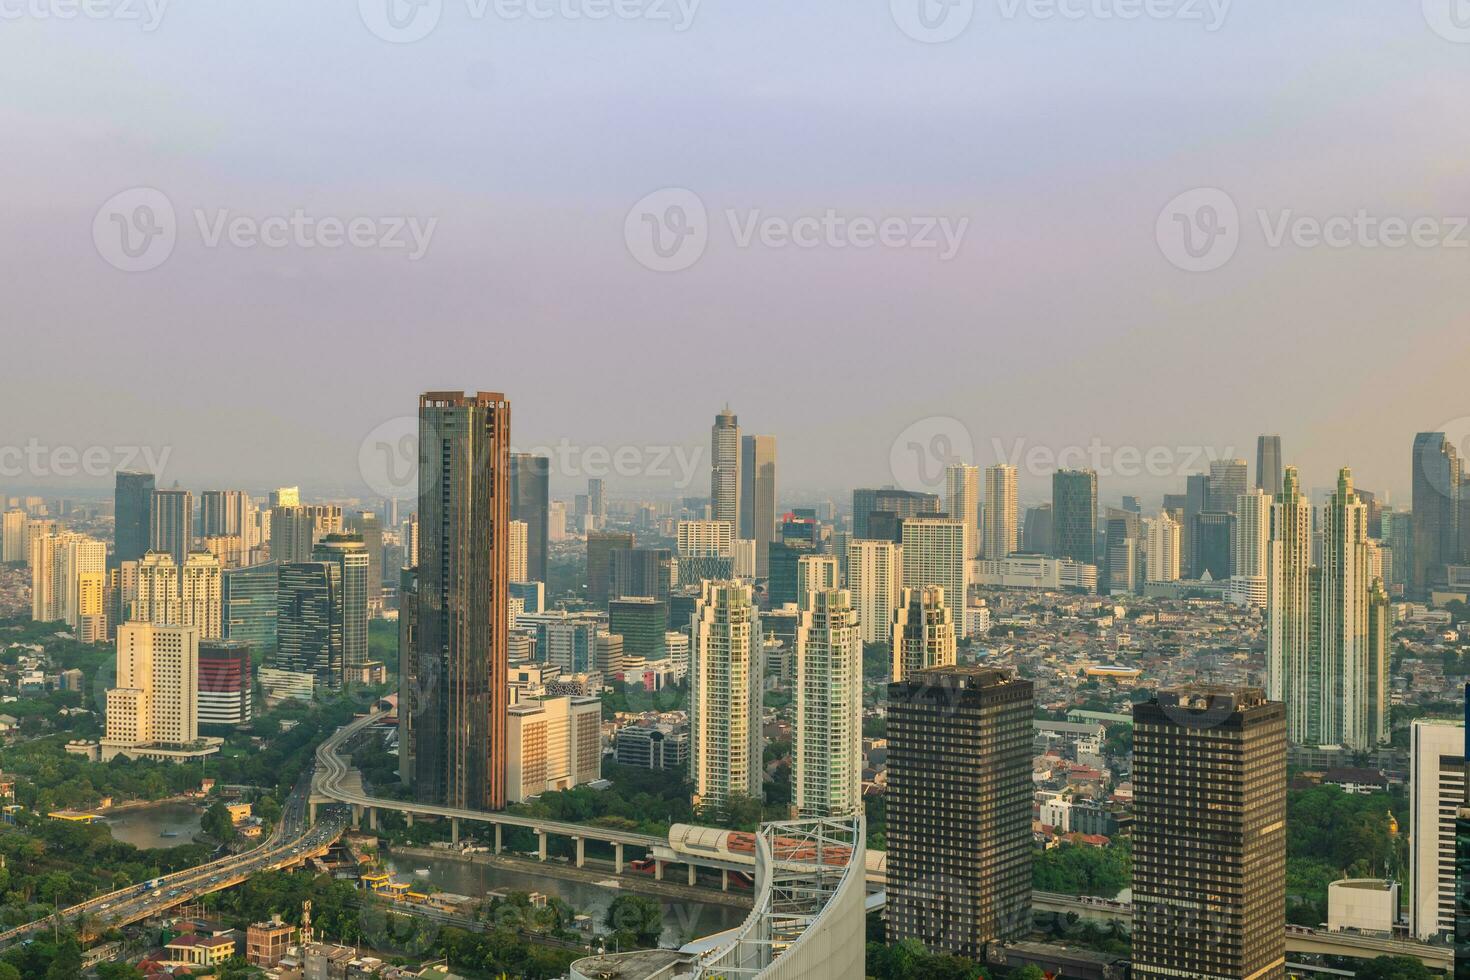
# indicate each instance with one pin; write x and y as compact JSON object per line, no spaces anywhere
{"x":459,"y":693}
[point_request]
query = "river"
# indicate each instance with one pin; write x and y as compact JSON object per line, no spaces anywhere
{"x":145,"y":827}
{"x":683,"y":920}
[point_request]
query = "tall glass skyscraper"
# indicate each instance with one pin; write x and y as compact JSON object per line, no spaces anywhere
{"x":530,"y":501}
{"x":248,"y":606}
{"x":132,"y":500}
{"x":758,"y":496}
{"x":350,"y":555}
{"x":1074,"y":514}
{"x":724,"y":485}
{"x":1268,"y":465}
{"x":461,"y":691}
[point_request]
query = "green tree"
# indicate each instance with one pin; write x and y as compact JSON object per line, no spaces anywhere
{"x":638,"y":918}
{"x":67,"y":963}
{"x":8,"y":972}
{"x":1395,"y":968}
{"x":218,"y":823}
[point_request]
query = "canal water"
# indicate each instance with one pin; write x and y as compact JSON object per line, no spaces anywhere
{"x":683,"y":920}
{"x":165,"y":825}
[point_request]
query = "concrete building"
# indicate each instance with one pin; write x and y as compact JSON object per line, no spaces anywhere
{"x":226,"y":684}
{"x":516,"y":542}
{"x":200,"y":601}
{"x":155,"y":702}
{"x":171,"y":523}
{"x":923,"y":632}
{"x":1000,"y":537}
{"x":1037,"y":572}
{"x":827,"y":779}
{"x":935,"y":553}
{"x":758,"y":495}
{"x":1368,"y":906}
{"x":726,"y":685}
{"x":959,"y":809}
{"x":1209,"y":834}
{"x":653,"y":747}
{"x":1162,"y":544}
{"x":552,"y":744}
{"x":875,"y":580}
{"x":1436,"y":794}
{"x":724,"y":489}
{"x":353,"y":577}
{"x":1291,"y":674}
{"x":962,"y":502}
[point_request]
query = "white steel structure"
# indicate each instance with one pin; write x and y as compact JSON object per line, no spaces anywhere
{"x":829,"y":693}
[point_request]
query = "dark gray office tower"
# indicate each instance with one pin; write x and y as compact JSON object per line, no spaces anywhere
{"x":1228,"y":480}
{"x":309,"y":621}
{"x":1074,"y":514}
{"x":600,"y":546}
{"x":903,"y":503}
{"x":1213,"y":537}
{"x":1268,"y":465}
{"x":132,"y":499}
{"x":1209,"y":834}
{"x":1196,"y":502}
{"x":408,"y":673}
{"x":248,"y":606}
{"x":758,"y":496}
{"x":530,"y":501}
{"x":223,"y":512}
{"x":171,"y":523}
{"x":635,"y":572}
{"x":1038,"y":534}
{"x":353,"y":562}
{"x":959,"y":808}
{"x":1436,"y":501}
{"x":1125,"y":551}
{"x":461,"y":688}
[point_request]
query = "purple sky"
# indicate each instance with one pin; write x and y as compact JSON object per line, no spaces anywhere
{"x":1059,"y":321}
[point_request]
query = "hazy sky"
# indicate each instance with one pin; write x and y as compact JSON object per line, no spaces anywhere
{"x":520,"y":146}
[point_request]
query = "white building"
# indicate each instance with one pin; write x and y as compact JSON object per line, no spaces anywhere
{"x":13,"y":536}
{"x":700,"y":539}
{"x":516,"y":537}
{"x":1001,"y":514}
{"x":875,"y":579}
{"x":199,"y":594}
{"x":935,"y":553}
{"x":1252,"y":549}
{"x":1289,"y":654}
{"x":552,"y":744}
{"x":814,"y":573}
{"x":156,"y":599}
{"x":1036,"y":572}
{"x":1436,"y":793}
{"x":827,"y":779}
{"x":1161,"y":541}
{"x":962,"y":502}
{"x":726,"y":657}
{"x":155,"y":702}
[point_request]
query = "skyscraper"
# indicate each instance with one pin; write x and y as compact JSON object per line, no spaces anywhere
{"x":1252,"y":546}
{"x":461,"y":691}
{"x":225,"y":683}
{"x":596,"y":500}
{"x":1212,"y":541}
{"x":516,"y":540}
{"x":225,"y":513}
{"x":901,"y":503}
{"x":199,"y":594}
{"x":934,"y":553}
{"x":1074,"y":514}
{"x":1162,"y":542}
{"x":171,"y":523}
{"x":999,"y":537}
{"x":296,"y":528}
{"x":1196,"y":502}
{"x":827,"y":779}
{"x":248,"y":606}
{"x":530,"y":501}
{"x":350,"y":555}
{"x":726,"y":656}
{"x":1343,"y":623}
{"x":1228,"y":480}
{"x":724,"y":481}
{"x":309,"y":621}
{"x":1039,"y":532}
{"x":758,"y":496}
{"x":155,"y":702}
{"x":13,"y":536}
{"x":1124,"y":536}
{"x":923,"y":632}
{"x":1268,"y":465}
{"x":600,"y":546}
{"x":962,"y":501}
{"x":1436,"y":491}
{"x":132,"y":499}
{"x":1209,"y":834}
{"x":1292,"y":674}
{"x":959,"y":808}
{"x":875,"y":580}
